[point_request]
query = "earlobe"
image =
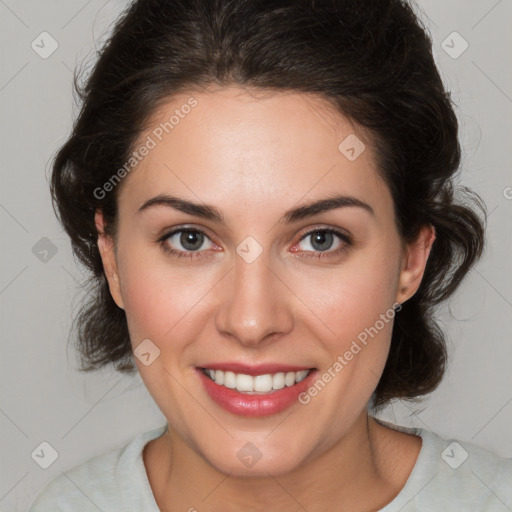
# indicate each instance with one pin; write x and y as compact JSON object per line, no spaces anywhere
{"x":106,"y":249}
{"x":415,"y":262}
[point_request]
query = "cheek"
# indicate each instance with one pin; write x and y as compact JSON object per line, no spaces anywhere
{"x":154,"y":298}
{"x":353,"y":295}
{"x":162,"y":302}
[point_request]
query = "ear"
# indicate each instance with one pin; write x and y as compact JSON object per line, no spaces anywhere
{"x":414,"y":263}
{"x":106,"y":248}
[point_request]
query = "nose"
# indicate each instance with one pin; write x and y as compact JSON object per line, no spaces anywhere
{"x":255,"y":303}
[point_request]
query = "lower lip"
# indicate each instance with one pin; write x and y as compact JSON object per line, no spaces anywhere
{"x":254,"y":405}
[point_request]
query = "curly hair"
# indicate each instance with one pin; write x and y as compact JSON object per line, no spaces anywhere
{"x":370,"y":59}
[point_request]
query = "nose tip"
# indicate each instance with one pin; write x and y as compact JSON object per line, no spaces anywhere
{"x":254,"y":307}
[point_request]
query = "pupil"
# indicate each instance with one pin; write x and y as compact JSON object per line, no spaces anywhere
{"x":191,"y":240}
{"x":322,"y":240}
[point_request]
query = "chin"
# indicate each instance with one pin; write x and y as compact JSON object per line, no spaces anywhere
{"x":244,"y":458}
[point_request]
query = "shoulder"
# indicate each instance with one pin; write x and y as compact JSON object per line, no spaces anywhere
{"x":482,"y":474}
{"x":455,"y":475}
{"x":103,"y":482}
{"x":477,"y":478}
{"x":84,"y":487}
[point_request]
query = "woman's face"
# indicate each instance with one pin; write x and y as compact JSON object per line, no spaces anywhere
{"x":263,"y":291}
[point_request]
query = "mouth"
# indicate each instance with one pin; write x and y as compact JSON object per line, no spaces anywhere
{"x":258,"y":384}
{"x":255,"y":391}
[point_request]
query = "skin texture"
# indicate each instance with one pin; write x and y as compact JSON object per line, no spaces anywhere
{"x":253,"y":157}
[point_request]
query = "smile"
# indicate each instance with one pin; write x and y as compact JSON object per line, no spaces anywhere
{"x":262,"y":394}
{"x":255,"y":384}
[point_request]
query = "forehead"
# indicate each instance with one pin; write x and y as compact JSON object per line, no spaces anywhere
{"x":230,"y":146}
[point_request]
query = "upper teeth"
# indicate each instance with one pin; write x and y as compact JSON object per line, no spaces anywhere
{"x":259,"y":383}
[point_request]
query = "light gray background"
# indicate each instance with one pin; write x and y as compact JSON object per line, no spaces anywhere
{"x":44,"y":398}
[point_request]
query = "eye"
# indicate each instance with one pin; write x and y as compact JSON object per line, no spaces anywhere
{"x":186,"y":242}
{"x":190,"y":243}
{"x":325,"y":243}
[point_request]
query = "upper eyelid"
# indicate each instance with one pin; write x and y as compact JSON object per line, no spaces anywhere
{"x":179,"y":229}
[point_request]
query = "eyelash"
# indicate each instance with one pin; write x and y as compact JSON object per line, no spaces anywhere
{"x":194,"y":255}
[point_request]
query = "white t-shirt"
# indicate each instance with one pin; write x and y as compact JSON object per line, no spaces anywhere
{"x":448,"y":476}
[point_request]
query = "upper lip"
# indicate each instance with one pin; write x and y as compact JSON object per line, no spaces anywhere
{"x":257,"y":369}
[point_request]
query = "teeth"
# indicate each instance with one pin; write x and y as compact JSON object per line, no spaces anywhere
{"x":229,"y":379}
{"x":289,"y":379}
{"x":263,"y":383}
{"x":258,"y":384}
{"x":218,"y":376}
{"x":244,"y":382}
{"x":278,"y":381}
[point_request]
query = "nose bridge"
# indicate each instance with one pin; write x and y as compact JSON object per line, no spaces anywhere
{"x":255,"y":303}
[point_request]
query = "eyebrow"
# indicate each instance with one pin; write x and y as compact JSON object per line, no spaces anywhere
{"x":209,"y":212}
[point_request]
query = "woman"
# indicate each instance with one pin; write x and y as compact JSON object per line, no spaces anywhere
{"x":263,"y":194}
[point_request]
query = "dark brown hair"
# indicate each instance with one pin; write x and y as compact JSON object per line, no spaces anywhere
{"x":371,"y":59}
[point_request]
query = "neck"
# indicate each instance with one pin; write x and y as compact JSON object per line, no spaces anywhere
{"x":352,"y":474}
